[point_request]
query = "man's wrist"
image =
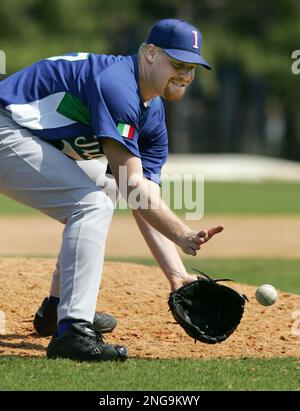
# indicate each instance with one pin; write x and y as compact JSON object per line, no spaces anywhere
{"x":177,"y":282}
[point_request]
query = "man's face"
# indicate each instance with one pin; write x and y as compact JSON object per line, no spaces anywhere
{"x":172,"y":77}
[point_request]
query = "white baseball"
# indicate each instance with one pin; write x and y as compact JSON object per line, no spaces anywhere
{"x":266,"y":294}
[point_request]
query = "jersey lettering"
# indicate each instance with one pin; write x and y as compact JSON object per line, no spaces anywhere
{"x":70,"y":57}
{"x":80,"y":148}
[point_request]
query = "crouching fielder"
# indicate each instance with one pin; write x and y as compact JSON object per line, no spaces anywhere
{"x":84,"y":106}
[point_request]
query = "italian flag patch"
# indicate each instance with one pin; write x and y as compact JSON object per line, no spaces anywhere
{"x":126,"y":130}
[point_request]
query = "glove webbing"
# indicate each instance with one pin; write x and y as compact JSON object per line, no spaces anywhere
{"x":209,"y":278}
{"x":215,"y":280}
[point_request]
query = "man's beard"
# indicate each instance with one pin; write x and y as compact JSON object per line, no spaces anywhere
{"x":173,"y":93}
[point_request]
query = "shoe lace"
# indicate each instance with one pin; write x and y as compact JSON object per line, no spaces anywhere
{"x":98,"y":333}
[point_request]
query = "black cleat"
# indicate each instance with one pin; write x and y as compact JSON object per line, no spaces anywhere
{"x":104,"y":323}
{"x":82,"y":342}
{"x":45,"y":320}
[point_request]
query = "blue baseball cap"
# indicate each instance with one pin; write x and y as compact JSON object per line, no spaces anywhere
{"x":179,"y":40}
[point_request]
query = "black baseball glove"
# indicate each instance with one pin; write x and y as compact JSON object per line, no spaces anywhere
{"x":207,"y":311}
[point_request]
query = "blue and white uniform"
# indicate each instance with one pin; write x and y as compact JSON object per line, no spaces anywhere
{"x":74,"y":100}
{"x":57,"y":111}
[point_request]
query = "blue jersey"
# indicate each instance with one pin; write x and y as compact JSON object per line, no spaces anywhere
{"x":74,"y":100}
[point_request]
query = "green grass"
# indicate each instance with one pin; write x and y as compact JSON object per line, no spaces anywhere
{"x":282,"y":273}
{"x":11,"y":207}
{"x":154,"y":375}
{"x":252,"y":198}
{"x":222,"y":198}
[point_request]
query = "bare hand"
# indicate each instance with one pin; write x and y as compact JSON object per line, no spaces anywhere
{"x":191,"y":242}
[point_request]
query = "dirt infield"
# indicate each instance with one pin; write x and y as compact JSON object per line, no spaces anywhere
{"x":244,"y":236}
{"x":137,"y":296}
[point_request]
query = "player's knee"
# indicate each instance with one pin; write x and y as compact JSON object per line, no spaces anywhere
{"x":94,"y":207}
{"x":97,"y":216}
{"x":102,"y":205}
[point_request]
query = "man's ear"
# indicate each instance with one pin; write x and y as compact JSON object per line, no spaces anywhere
{"x":151,"y":53}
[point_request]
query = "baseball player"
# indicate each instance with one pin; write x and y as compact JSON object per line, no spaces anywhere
{"x":163,"y":250}
{"x":84,"y":106}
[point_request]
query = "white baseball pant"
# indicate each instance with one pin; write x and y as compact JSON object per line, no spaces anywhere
{"x":38,"y":175}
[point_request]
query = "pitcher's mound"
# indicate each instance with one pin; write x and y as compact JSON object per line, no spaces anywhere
{"x":137,"y":295}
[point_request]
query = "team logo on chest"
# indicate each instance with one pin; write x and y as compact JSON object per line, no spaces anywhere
{"x":81,"y":148}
